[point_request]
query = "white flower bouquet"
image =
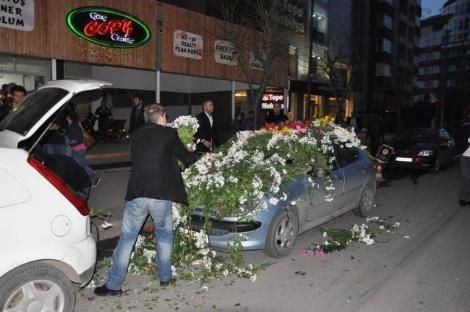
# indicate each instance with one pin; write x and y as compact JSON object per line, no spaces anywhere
{"x":187,"y":127}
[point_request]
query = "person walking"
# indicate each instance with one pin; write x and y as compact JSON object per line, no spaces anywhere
{"x":238,"y":123}
{"x":137,"y":114}
{"x":75,"y":135}
{"x":464,"y":191}
{"x":206,"y":136}
{"x":154,"y":184}
{"x":250,"y":121}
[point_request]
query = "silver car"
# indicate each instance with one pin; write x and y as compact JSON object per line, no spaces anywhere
{"x":275,"y":229}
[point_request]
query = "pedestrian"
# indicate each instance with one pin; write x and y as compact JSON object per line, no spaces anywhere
{"x":55,"y":141}
{"x":154,"y":184}
{"x":464,"y":193}
{"x":250,"y":121}
{"x":239,"y":123}
{"x":339,"y":119}
{"x":18,"y":93}
{"x":354,"y":123}
{"x":75,"y":135}
{"x":137,"y":114}
{"x":4,"y":102}
{"x":206,"y":136}
{"x":104,"y":115}
{"x":374,"y":132}
{"x":277,"y":116}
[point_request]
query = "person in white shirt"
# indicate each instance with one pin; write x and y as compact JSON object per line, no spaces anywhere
{"x":206,"y":136}
{"x":464,"y":193}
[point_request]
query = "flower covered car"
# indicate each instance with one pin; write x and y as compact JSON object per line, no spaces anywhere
{"x":264,"y":188}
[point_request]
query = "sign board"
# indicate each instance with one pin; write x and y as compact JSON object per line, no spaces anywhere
{"x":257,"y":60}
{"x":17,"y":14}
{"x":225,"y":52}
{"x":269,"y":99}
{"x":108,"y":27}
{"x":189,"y":45}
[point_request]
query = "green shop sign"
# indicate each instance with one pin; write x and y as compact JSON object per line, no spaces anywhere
{"x":108,"y":27}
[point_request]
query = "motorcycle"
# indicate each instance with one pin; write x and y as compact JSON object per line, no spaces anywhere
{"x":111,"y":130}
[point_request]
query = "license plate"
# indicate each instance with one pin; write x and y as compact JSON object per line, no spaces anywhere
{"x":404,"y":159}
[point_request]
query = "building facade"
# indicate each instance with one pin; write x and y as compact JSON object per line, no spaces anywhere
{"x":455,"y":77}
{"x":429,"y":59}
{"x":172,"y":56}
{"x":385,"y":34}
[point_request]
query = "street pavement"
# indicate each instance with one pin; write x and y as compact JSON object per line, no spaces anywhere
{"x":421,"y":266}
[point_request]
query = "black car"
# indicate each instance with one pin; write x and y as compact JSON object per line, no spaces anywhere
{"x":422,"y":148}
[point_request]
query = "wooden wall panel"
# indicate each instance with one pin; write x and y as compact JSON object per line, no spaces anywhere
{"x":180,"y":19}
{"x":51,"y":38}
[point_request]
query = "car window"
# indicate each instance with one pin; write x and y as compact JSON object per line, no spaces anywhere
{"x":444,"y":135}
{"x":32,"y":110}
{"x":346,"y":156}
{"x":419,"y":136}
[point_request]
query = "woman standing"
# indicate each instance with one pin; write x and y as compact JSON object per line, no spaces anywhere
{"x":75,"y":135}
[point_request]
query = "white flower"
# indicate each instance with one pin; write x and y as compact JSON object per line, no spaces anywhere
{"x":253,"y":278}
{"x":273,"y":201}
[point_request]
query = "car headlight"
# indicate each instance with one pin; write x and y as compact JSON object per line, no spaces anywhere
{"x":426,"y":153}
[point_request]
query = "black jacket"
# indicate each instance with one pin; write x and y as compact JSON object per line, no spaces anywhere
{"x":155,"y":172}
{"x":206,"y":132}
{"x":137,"y":118}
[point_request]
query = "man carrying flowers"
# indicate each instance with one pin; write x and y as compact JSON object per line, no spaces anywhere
{"x":155,"y":183}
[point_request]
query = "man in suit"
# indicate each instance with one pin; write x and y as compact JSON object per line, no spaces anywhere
{"x":206,"y":136}
{"x":155,"y":183}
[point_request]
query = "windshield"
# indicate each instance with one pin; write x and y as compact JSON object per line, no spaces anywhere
{"x":34,"y":107}
{"x":419,"y":136}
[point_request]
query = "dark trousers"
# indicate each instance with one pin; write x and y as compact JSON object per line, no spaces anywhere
{"x":464,"y":193}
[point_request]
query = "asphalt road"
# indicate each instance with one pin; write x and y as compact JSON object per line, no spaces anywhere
{"x":422,"y":266}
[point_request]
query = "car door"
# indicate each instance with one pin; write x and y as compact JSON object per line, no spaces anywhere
{"x":324,"y":203}
{"x":354,"y":170}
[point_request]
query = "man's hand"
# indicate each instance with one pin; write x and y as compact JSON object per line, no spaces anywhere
{"x":207,"y":144}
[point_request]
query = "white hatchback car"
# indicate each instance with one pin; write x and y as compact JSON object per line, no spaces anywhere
{"x":45,"y":242}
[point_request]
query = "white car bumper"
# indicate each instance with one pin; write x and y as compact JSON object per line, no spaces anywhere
{"x":82,"y":258}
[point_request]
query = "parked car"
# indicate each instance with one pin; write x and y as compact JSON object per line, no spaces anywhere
{"x":46,"y":241}
{"x":423,"y":148}
{"x":275,"y":229}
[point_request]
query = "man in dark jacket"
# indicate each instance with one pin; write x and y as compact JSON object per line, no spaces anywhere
{"x":137,"y":114}
{"x":206,"y":136}
{"x":155,"y":183}
{"x":277,"y":117}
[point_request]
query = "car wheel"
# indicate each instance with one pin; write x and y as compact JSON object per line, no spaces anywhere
{"x":282,"y":234}
{"x":36,"y":287}
{"x":367,"y":201}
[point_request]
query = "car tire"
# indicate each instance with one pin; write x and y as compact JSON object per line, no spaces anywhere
{"x":366,"y":203}
{"x":38,"y":287}
{"x":282,"y":234}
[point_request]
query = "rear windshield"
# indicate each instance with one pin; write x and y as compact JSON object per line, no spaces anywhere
{"x":419,"y":136}
{"x":34,"y":107}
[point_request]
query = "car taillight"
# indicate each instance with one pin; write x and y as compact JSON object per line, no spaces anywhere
{"x":78,"y":202}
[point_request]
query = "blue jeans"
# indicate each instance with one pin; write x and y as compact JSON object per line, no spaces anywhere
{"x":135,"y":214}
{"x":79,"y":157}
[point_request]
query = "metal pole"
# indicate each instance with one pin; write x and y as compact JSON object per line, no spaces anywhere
{"x":308,"y":111}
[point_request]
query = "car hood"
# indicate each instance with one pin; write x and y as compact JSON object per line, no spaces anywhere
{"x":69,"y":88}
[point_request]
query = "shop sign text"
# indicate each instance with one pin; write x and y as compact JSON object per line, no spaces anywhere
{"x":269,"y":99}
{"x":17,"y":14}
{"x":108,"y":27}
{"x":189,"y":45}
{"x":225,"y":52}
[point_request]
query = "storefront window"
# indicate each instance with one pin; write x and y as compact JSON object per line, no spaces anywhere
{"x":28,"y":72}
